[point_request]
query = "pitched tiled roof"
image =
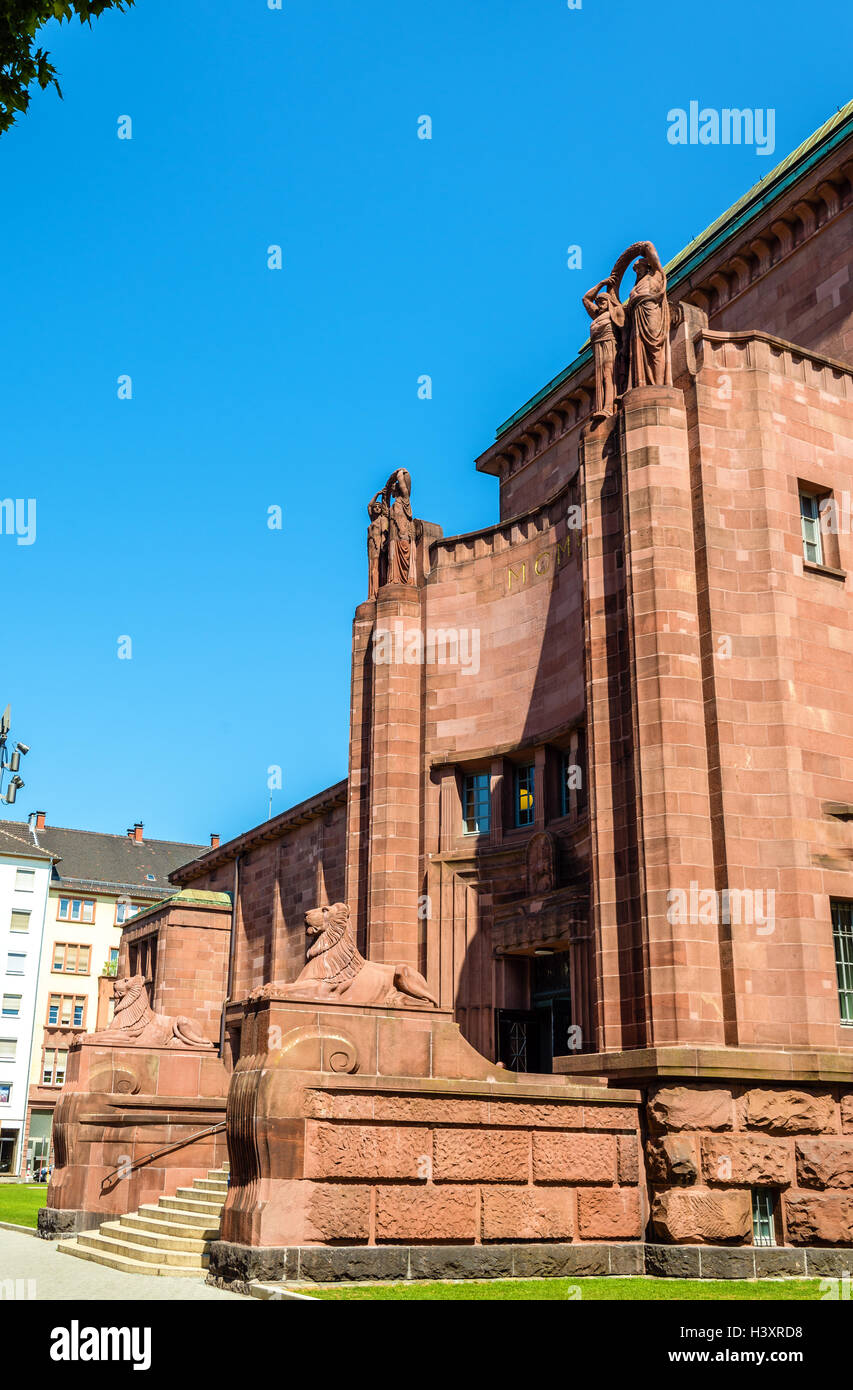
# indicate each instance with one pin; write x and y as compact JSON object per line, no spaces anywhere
{"x":88,"y":859}
{"x":17,"y":842}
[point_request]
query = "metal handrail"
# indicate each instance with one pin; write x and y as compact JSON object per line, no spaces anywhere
{"x":158,"y":1153}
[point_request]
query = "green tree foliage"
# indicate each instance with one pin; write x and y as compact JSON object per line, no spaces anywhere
{"x":21,"y":62}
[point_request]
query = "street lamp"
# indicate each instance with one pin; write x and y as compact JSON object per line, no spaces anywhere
{"x":13,"y":762}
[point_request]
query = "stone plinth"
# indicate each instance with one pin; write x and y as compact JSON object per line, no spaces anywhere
{"x":125,"y":1130}
{"x":374,"y":1125}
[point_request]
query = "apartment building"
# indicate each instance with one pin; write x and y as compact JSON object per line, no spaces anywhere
{"x":80,"y":887}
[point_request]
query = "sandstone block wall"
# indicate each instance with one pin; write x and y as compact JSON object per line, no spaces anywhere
{"x":410,"y":1167}
{"x":709,"y":1146}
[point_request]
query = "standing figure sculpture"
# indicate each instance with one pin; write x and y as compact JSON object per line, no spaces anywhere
{"x":377,"y":538}
{"x":401,"y":539}
{"x":605,"y":312}
{"x":645,"y":352}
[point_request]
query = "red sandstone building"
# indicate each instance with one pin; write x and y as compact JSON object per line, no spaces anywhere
{"x":609,"y":816}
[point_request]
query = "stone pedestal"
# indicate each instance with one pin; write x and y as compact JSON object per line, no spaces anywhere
{"x":128,"y":1129}
{"x":370,"y":1126}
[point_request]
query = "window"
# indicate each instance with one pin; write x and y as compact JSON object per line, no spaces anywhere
{"x":53,"y":1070}
{"x":476,"y":810}
{"x":16,"y":962}
{"x":524,"y":783}
{"x":8,"y":1049}
{"x":763,"y":1216}
{"x":71,"y":960}
{"x":113,"y":957}
{"x":76,"y":910}
{"x":5,"y":1094}
{"x":20,"y":921}
{"x":125,"y":911}
{"x":842,"y":935}
{"x":810,"y":520}
{"x":25,"y":880}
{"x":66,"y":1010}
{"x":12,"y":1005}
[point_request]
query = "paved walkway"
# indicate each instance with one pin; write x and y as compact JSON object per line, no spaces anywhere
{"x":58,"y":1276}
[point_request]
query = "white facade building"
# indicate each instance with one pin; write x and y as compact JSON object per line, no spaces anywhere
{"x":24,"y":883}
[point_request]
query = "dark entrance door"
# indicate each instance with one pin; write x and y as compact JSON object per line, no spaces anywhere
{"x":551,"y":997}
{"x":520,"y":1039}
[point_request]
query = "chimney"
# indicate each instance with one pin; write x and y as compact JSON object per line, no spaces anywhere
{"x":134,"y":832}
{"x":214,"y":841}
{"x":36,"y":820}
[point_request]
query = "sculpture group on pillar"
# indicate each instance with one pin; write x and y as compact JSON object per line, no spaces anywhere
{"x":630,"y":342}
{"x":391,"y":534}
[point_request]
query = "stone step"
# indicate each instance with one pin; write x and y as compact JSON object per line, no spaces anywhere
{"x":108,"y":1245}
{"x":142,"y":1220}
{"x":208,"y":1213}
{"x":123,"y":1262}
{"x":160,"y":1240}
{"x":193,"y":1201}
{"x":205,"y":1219}
{"x":218,"y":1186}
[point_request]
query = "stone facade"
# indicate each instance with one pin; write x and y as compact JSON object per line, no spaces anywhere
{"x":609,"y":819}
{"x":710,"y":1146}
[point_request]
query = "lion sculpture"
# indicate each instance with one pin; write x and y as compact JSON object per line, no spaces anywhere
{"x":134,"y":1020}
{"x":336,"y":969}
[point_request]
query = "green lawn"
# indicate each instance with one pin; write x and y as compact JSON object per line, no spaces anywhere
{"x":20,"y":1202}
{"x":515,"y":1290}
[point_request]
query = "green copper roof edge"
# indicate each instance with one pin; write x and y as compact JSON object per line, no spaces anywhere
{"x":811,"y":155}
{"x":198,"y":896}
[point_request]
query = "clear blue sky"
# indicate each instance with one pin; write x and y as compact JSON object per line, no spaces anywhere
{"x":253,"y":387}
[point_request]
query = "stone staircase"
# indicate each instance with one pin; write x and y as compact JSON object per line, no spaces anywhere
{"x":172,"y":1238}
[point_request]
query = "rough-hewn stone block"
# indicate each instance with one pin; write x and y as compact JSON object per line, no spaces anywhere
{"x":461,"y":1262}
{"x":820,"y":1219}
{"x":426,"y":1213}
{"x":608,"y":1213}
{"x":690,"y":1107}
{"x":527,"y":1213}
{"x":723,"y":1262}
{"x":574,"y":1158}
{"x":672,"y":1261}
{"x":365,"y":1151}
{"x":339,"y":1211}
{"x":702,"y":1218}
{"x":825,"y":1162}
{"x":672,"y":1159}
{"x":467,"y":1155}
{"x":744,"y":1160}
{"x":789,"y":1112}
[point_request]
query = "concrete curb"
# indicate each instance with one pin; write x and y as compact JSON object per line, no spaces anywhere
{"x":22,"y":1230}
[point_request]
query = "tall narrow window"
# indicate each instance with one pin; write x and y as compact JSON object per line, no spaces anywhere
{"x":842,"y":935}
{"x":524,"y":785}
{"x":763,"y":1221}
{"x":810,"y":519}
{"x":475,"y":803}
